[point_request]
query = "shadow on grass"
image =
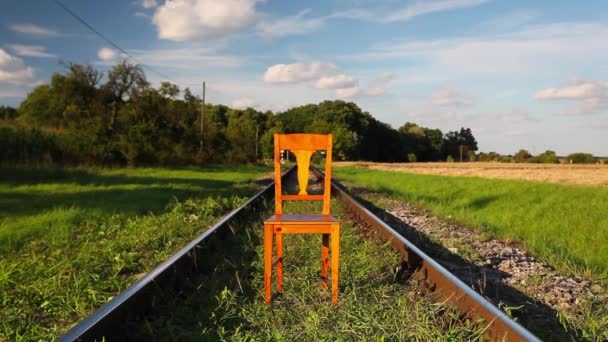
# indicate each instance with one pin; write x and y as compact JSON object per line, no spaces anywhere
{"x":106,"y":195}
{"x":224,"y":269}
{"x":539,"y":318}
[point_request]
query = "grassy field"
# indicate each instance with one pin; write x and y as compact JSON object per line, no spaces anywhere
{"x":72,"y":239}
{"x":375,"y":303}
{"x":554,"y":173}
{"x":565,"y":224}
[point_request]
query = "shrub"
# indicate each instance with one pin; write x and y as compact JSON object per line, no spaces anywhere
{"x":522,"y":156}
{"x":582,"y":158}
{"x":450,"y":159}
{"x":411,"y":157}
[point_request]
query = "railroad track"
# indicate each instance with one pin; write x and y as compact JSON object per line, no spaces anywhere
{"x":110,"y":321}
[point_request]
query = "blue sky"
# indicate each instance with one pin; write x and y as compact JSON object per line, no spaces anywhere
{"x":520,"y":74}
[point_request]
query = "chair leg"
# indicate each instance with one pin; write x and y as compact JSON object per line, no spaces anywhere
{"x":267,"y":262}
{"x":324,"y":256}
{"x":335,"y":261}
{"x":279,"y":237}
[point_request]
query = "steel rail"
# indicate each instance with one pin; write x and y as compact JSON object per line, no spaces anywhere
{"x":107,"y":322}
{"x":434,"y":278}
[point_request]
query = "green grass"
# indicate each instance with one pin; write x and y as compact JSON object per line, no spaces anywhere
{"x":72,"y":239}
{"x":50,"y":203}
{"x":376,"y":302}
{"x":565,"y":224}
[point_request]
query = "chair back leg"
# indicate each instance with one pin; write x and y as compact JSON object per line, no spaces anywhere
{"x":324,"y":259}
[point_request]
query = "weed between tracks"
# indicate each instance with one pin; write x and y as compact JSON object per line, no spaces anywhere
{"x":131,"y":221}
{"x":227,"y":302}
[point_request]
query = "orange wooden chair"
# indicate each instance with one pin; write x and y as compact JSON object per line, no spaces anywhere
{"x":302,"y":146}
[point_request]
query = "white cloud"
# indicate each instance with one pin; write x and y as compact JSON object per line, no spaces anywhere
{"x":141,"y":14}
{"x":182,"y":20}
{"x":297,"y":24}
{"x":383,"y":79}
{"x":13,"y":70}
{"x":297,"y":72}
{"x":243,"y":103}
{"x":407,"y":12}
{"x":107,"y":54}
{"x":531,"y":52}
{"x":591,"y":96}
{"x":448,"y":96}
{"x":338,"y":81}
{"x":578,"y":90}
{"x":34,"y":30}
{"x":148,"y":3}
{"x":346,"y":93}
{"x":31,"y":51}
{"x":415,"y":9}
{"x":187,"y":57}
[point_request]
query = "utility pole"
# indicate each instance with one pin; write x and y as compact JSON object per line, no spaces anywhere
{"x":461,"y":153}
{"x":257,"y":128}
{"x":202,"y":119}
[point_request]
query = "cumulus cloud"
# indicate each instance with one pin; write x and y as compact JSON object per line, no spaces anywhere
{"x":182,"y":20}
{"x":31,"y":51}
{"x":338,"y":81}
{"x":297,"y":24}
{"x":449,"y":96}
{"x":591,"y":96}
{"x":107,"y":54}
{"x":13,"y":70}
{"x":297,"y":72}
{"x":34,"y":30}
{"x":243,"y":103}
{"x":323,"y":76}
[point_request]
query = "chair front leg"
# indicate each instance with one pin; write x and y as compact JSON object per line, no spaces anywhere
{"x":279,"y":237}
{"x":335,"y":261}
{"x":267,"y":262}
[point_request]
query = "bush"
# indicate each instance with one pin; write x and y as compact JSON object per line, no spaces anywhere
{"x":505,"y":159}
{"x":581,"y":158}
{"x":450,"y":159}
{"x":522,"y":156}
{"x":411,"y":157}
{"x":27,"y":145}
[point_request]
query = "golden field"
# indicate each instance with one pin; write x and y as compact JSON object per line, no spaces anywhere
{"x":554,"y":173}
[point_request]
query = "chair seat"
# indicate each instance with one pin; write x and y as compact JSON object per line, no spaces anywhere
{"x":313,"y":219}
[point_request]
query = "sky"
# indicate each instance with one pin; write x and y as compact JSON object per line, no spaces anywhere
{"x":520,"y":74}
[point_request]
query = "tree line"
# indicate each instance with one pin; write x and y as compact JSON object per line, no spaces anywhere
{"x":87,"y":117}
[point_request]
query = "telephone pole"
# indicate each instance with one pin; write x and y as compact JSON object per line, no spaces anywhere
{"x":461,"y":153}
{"x":202,"y":119}
{"x":257,"y":128}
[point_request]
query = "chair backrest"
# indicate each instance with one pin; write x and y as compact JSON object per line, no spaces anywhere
{"x":302,"y":146}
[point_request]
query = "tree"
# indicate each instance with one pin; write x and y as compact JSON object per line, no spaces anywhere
{"x":547,"y":157}
{"x":459,"y":143}
{"x":581,"y":158}
{"x":169,"y":89}
{"x":126,"y":80}
{"x":8,"y":113}
{"x":522,"y":156}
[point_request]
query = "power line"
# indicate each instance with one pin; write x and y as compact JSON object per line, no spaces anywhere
{"x":109,"y":41}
